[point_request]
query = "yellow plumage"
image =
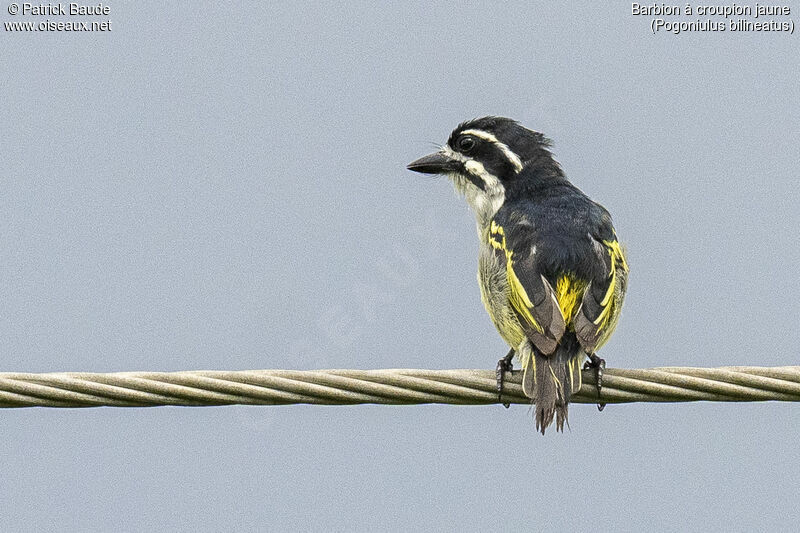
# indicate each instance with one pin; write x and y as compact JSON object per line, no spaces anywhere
{"x":551,"y":273}
{"x":569,"y":293}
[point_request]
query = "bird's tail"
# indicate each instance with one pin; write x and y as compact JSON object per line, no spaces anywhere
{"x":550,"y":381}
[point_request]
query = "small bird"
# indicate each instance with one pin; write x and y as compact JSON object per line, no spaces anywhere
{"x":551,"y":271}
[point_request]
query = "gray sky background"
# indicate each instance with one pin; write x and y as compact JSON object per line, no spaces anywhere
{"x":213,"y":187}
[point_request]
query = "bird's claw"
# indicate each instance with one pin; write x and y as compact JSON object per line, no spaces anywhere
{"x":503,"y":365}
{"x":599,"y":365}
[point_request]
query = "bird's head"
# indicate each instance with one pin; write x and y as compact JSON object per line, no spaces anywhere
{"x":485,"y":156}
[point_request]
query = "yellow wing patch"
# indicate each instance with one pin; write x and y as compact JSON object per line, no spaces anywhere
{"x":569,"y":290}
{"x":517,"y":296}
{"x":608,"y":303}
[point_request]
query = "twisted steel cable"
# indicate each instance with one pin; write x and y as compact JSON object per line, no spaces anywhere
{"x":396,"y":387}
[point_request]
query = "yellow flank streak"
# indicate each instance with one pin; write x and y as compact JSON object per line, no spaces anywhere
{"x":615,"y":249}
{"x":602,"y":317}
{"x":611,"y":284}
{"x":517,"y":296}
{"x":617,"y":261}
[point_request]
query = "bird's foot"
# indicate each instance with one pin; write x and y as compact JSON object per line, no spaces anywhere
{"x":599,"y":366}
{"x":503,"y":365}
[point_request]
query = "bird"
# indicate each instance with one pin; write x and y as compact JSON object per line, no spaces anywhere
{"x":551,"y":271}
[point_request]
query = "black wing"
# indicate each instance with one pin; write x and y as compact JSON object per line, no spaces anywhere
{"x":529,"y":293}
{"x":602,"y":300}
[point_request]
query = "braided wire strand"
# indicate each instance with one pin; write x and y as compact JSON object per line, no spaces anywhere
{"x":388,"y":386}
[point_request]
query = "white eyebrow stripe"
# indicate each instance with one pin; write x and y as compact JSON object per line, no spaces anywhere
{"x":486,"y":136}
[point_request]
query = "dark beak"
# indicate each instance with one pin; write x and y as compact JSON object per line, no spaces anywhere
{"x":437,"y":163}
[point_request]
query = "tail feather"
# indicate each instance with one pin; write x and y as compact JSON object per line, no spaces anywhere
{"x":550,"y":381}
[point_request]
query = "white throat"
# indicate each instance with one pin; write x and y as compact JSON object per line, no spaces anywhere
{"x":486,"y":202}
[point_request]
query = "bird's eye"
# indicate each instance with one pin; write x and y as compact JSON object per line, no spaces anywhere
{"x":466,"y":143}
